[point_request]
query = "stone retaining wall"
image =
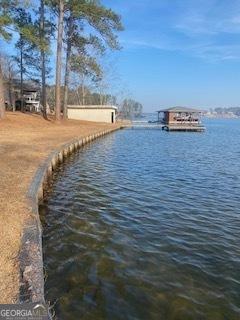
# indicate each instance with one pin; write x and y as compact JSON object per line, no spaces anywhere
{"x":31,"y":258}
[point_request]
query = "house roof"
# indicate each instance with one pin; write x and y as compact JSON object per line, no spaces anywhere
{"x":180,"y":109}
{"x":92,"y":107}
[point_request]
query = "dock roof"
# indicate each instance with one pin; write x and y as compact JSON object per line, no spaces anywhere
{"x":181,"y":109}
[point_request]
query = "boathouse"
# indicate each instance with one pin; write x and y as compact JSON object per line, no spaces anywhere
{"x":96,"y":113}
{"x":180,"y":119}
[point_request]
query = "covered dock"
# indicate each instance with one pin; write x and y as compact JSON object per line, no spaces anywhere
{"x":181,"y":119}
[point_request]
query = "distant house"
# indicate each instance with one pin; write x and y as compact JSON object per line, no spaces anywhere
{"x":32,"y":100}
{"x":181,"y":119}
{"x":31,"y":95}
{"x":97,"y":113}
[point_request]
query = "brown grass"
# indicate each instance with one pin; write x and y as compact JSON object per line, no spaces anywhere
{"x":25,"y":141}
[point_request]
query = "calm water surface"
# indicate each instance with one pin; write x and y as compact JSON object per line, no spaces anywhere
{"x":145,"y":224}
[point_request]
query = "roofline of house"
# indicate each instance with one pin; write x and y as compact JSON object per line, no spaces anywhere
{"x":92,"y":107}
{"x":181,"y":109}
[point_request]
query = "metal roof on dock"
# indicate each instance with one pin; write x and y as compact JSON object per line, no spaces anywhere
{"x":180,"y":109}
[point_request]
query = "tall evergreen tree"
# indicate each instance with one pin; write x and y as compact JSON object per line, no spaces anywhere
{"x":45,"y":29}
{"x":27,"y":56}
{"x":70,"y":32}
{"x":43,"y":57}
{"x":60,"y":8}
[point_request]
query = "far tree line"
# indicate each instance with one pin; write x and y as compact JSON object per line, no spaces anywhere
{"x":234,"y":110}
{"x":81,"y":95}
{"x":79,"y":31}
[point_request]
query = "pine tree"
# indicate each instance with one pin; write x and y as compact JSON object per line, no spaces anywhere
{"x":60,"y":8}
{"x":27,"y":57}
{"x":43,"y":57}
{"x":44,"y":29}
{"x":74,"y":15}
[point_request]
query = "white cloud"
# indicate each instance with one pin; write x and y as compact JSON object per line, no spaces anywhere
{"x":207,"y":51}
{"x":206,"y":29}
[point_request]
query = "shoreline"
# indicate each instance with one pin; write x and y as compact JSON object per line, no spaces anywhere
{"x":22,"y":274}
{"x":31,"y":257}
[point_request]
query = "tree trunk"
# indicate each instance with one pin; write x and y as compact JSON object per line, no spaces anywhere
{"x":78,"y":96}
{"x":2,"y":102}
{"x":21,"y":76}
{"x":12,"y":98}
{"x":83,"y":93}
{"x":10,"y":91}
{"x":101,"y":98}
{"x":43,"y":60}
{"x":44,"y":98}
{"x":68,"y":62}
{"x":59,"y":62}
{"x":82,"y":90}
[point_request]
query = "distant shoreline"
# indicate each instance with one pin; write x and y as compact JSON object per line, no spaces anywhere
{"x":219,"y":116}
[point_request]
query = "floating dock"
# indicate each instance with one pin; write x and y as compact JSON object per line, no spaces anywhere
{"x":186,"y":128}
{"x":166,"y":127}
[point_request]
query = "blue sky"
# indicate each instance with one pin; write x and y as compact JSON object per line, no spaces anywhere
{"x":180,"y":52}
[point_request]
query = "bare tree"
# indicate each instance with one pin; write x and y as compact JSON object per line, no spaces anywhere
{"x":5,"y":21}
{"x":106,"y":84}
{"x":8,"y":73}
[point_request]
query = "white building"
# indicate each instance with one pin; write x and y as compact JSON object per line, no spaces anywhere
{"x":31,"y":99}
{"x":95,"y":113}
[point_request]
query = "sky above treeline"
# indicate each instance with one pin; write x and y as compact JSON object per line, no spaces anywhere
{"x":180,"y":52}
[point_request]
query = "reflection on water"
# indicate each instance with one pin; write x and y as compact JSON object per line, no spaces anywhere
{"x":145,"y":224}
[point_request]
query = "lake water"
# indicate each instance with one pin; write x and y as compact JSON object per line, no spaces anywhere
{"x":145,"y":224}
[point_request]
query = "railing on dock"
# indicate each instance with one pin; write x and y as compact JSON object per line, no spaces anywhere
{"x":145,"y":125}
